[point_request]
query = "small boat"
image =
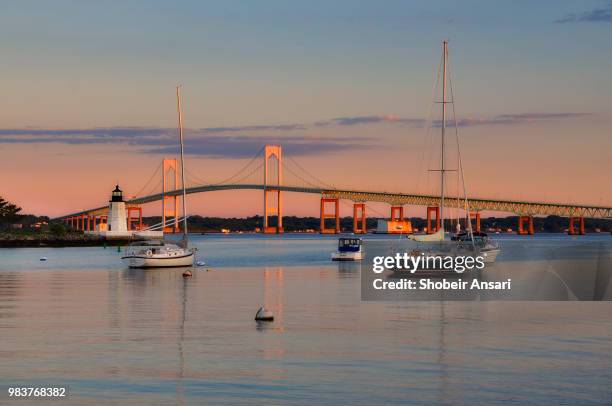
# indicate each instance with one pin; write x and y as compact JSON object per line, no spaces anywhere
{"x":488,"y":247}
{"x":165,"y":254}
{"x":349,"y":249}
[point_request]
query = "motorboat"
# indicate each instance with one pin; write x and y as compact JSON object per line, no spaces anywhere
{"x":349,"y":249}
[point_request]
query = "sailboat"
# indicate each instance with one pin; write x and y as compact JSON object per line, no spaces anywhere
{"x":468,"y":239}
{"x":163,"y":253}
{"x":439,"y":234}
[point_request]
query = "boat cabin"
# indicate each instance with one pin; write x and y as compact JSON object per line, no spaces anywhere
{"x":349,"y":244}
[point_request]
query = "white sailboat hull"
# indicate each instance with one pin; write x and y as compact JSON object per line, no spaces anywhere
{"x":437,"y":236}
{"x":490,"y":255}
{"x":158,"y":261}
{"x":347,"y":256}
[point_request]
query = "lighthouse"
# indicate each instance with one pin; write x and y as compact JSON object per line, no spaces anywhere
{"x":118,"y":222}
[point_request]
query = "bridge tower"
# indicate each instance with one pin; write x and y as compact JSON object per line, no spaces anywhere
{"x":170,"y":203}
{"x":269,"y":152}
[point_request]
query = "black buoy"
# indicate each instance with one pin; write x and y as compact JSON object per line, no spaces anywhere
{"x":264,"y":314}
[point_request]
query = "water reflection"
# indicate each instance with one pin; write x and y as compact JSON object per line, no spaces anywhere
{"x":273,"y":292}
{"x":11,"y":286}
{"x":560,"y":272}
{"x":181,"y":337}
{"x":349,"y":269}
{"x":120,"y":336}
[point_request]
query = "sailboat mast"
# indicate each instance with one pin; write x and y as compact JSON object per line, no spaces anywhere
{"x":443,"y":168}
{"x":180,"y":122}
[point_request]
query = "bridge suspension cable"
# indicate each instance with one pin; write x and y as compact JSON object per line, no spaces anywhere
{"x":156,"y":174}
{"x":294,"y":173}
{"x":195,"y":179}
{"x":236,"y":175}
{"x":317,"y":181}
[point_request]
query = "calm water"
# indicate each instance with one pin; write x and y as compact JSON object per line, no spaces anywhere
{"x":151,"y":337}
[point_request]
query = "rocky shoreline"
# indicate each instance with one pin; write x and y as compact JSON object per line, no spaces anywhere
{"x":30,"y":240}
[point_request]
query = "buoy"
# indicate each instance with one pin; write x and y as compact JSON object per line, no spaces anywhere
{"x":187,"y":274}
{"x":200,"y":263}
{"x":208,"y":270}
{"x":43,"y":259}
{"x":264,"y":314}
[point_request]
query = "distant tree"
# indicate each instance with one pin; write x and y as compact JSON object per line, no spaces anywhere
{"x":8,"y":211}
{"x":57,"y":229}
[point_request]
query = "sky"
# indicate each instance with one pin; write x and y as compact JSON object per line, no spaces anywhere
{"x":346,"y":87}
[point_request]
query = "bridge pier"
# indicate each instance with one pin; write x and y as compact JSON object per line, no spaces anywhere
{"x":103,"y":223}
{"x":572,"y":229}
{"x":475,"y":216}
{"x":397,"y":213}
{"x":324,"y":216}
{"x":431,"y":226}
{"x":138,"y":218}
{"x":522,"y":230}
{"x":359,"y":218}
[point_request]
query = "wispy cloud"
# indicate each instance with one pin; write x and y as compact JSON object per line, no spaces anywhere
{"x":598,"y":15}
{"x":225,"y":142}
{"x":502,"y":119}
{"x":515,"y":119}
{"x":199,"y":141}
{"x":255,"y":128}
{"x":244,"y":146}
{"x":360,"y":120}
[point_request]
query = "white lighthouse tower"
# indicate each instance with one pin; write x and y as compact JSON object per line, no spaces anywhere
{"x":117,"y":218}
{"x":116,"y":226}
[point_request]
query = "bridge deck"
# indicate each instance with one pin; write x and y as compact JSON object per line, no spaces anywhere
{"x":522,"y":208}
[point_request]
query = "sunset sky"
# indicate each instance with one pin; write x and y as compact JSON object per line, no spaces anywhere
{"x":87,"y":97}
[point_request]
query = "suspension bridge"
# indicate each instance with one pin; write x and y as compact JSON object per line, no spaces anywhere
{"x":274,"y":175}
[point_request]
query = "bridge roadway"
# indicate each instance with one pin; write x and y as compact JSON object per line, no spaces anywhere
{"x":476,"y":205}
